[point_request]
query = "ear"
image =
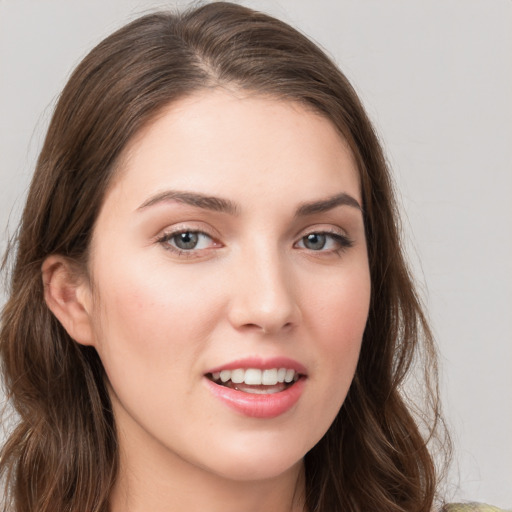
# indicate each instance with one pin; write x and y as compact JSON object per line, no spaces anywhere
{"x":68,"y":296}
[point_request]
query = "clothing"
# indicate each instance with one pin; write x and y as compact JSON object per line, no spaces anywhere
{"x":471,"y":507}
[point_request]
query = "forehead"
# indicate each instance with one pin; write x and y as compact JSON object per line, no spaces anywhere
{"x":222,"y":142}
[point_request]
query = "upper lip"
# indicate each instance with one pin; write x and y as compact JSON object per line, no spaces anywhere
{"x":262,"y":364}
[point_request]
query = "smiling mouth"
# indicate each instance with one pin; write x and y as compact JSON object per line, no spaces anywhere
{"x":256,"y":381}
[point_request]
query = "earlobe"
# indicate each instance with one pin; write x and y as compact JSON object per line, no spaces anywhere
{"x":68,"y":296}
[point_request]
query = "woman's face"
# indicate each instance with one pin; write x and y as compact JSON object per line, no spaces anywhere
{"x":231,"y":285}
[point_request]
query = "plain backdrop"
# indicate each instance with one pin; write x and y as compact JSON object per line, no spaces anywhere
{"x":436,"y":79}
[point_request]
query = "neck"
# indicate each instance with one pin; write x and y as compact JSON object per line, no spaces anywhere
{"x":143,"y":488}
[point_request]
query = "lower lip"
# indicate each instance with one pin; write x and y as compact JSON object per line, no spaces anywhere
{"x":258,"y":406}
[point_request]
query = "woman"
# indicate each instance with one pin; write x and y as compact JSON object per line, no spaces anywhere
{"x":209,"y":306}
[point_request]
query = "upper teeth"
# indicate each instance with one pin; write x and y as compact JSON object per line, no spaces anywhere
{"x":255,"y":376}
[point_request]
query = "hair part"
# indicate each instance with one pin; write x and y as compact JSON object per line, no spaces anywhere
{"x":62,"y":455}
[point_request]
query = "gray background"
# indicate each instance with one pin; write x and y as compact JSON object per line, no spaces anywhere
{"x":436,"y":78}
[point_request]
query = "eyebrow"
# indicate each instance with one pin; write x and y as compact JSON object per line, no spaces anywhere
{"x":218,"y":204}
{"x":325,"y":205}
{"x":215,"y":204}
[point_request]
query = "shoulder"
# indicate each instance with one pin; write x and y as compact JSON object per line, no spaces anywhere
{"x":471,"y":507}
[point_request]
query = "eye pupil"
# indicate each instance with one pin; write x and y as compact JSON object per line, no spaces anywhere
{"x":315,"y":241}
{"x":186,"y":240}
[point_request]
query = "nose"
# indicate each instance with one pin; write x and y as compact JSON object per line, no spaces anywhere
{"x":264,"y":297}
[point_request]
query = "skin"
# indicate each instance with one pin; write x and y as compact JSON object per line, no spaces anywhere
{"x":253,"y":287}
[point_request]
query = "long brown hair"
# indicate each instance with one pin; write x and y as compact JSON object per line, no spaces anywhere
{"x":62,"y":455}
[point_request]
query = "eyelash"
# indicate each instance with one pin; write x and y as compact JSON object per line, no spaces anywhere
{"x":190,"y":253}
{"x":342,"y":241}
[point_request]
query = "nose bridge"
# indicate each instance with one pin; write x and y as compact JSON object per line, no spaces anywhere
{"x":264,"y":295}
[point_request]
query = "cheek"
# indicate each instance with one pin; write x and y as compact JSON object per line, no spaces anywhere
{"x":149,"y":319}
{"x":340,"y":308}
{"x":339,"y":313}
{"x":150,"y":337}
{"x":335,"y":316}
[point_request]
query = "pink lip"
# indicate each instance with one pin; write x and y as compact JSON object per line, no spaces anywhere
{"x":255,"y":405}
{"x":262,"y":364}
{"x":258,"y":406}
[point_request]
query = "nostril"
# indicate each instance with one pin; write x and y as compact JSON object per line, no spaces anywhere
{"x":266,"y":329}
{"x":263,"y":310}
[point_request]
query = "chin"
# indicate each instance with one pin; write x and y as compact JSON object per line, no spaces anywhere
{"x":258,"y":459}
{"x":250,"y":471}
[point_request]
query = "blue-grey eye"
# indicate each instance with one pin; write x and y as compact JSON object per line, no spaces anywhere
{"x":324,"y":242}
{"x":315,"y":241}
{"x":187,"y":240}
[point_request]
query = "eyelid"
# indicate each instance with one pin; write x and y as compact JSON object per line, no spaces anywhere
{"x":338,"y":234}
{"x":193,"y":226}
{"x":168,"y":233}
{"x":329,"y":229}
